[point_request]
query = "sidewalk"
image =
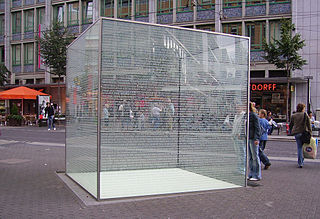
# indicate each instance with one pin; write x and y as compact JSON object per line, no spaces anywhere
{"x":31,"y":188}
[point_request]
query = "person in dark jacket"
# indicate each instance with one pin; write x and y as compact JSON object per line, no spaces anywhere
{"x":49,"y":111}
{"x":300,"y":122}
{"x":253,"y":151}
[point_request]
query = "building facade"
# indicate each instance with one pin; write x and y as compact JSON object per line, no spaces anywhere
{"x":22,"y":20}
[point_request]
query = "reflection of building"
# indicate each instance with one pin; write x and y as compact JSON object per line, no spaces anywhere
{"x":20,"y":21}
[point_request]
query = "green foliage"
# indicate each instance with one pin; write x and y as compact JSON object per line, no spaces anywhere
{"x":15,"y":117}
{"x":53,"y":48}
{"x":4,"y":74}
{"x":14,"y":110}
{"x":283,"y":53}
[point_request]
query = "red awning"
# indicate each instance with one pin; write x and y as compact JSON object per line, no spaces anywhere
{"x":20,"y":93}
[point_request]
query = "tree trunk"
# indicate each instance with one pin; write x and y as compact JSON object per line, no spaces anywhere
{"x":288,"y":95}
{"x":59,"y":95}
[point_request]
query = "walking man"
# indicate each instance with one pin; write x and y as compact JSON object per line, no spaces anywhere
{"x":49,"y":110}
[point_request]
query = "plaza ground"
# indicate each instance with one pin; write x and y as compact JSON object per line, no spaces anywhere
{"x":30,"y":158}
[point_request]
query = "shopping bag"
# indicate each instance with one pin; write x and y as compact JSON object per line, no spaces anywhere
{"x":310,"y":150}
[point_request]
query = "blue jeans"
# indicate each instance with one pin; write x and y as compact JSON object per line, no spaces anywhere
{"x":50,"y":122}
{"x":254,"y":160}
{"x":299,"y":147}
{"x":263,"y":157}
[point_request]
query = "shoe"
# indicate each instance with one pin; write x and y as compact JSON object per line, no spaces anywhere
{"x":267,"y":166}
{"x":300,"y":166}
{"x":254,"y":179}
{"x":54,"y":129}
{"x":48,"y":129}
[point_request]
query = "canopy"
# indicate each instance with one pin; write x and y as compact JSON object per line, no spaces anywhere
{"x":20,"y":93}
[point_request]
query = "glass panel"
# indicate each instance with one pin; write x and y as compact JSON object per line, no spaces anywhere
{"x":255,"y":2}
{"x":235,"y":28}
{"x":257,"y":32}
{"x":40,"y":16}
{"x":58,"y":13}
{"x":142,"y":7}
{"x":184,"y":5}
{"x":170,"y":99}
{"x":87,"y":12}
{"x":107,"y":8}
{"x":81,"y":120}
{"x":206,"y":4}
{"x":165,"y":6}
{"x":2,"y":56}
{"x":28,"y":21}
{"x":16,"y":22}
{"x":124,"y":8}
{"x":28,"y":54}
{"x":1,"y":24}
{"x":275,"y":30}
{"x":232,"y":3}
{"x":210,"y":27}
{"x":16,"y":53}
{"x":73,"y":11}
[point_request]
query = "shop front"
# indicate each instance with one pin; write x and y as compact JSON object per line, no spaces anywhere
{"x":271,"y":94}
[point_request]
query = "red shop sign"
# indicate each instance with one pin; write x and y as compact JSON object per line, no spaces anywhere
{"x":263,"y":87}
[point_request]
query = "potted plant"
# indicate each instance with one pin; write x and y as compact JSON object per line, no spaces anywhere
{"x":15,"y":119}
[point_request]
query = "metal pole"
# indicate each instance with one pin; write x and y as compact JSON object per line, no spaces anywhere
{"x":179,"y":96}
{"x":308,"y":98}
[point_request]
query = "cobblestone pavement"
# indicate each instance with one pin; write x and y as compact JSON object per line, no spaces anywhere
{"x":30,"y":187}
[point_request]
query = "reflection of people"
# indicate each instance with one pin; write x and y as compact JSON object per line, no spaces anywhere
{"x":42,"y":109}
{"x":238,"y":137}
{"x":299,"y":123}
{"x":49,"y":110}
{"x":106,"y":115}
{"x":264,"y":124}
{"x":155,"y":112}
{"x":312,"y":119}
{"x":253,"y":152}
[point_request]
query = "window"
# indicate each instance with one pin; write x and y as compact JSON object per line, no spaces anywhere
{"x":206,"y":4}
{"x":107,"y":8}
{"x":279,"y":1}
{"x":16,"y":54}
{"x":124,"y":8}
{"x":40,"y":17}
{"x":255,"y":2}
{"x":184,"y":5}
{"x":232,"y":3}
{"x":29,"y":81}
{"x":1,"y":24}
{"x":234,"y":28}
{"x":58,"y":13}
{"x":257,"y":74}
{"x":28,"y":54}
{"x":165,"y":6}
{"x":16,"y":22}
{"x":2,"y":56}
{"x":274,"y":30}
{"x":209,"y":27}
{"x":142,"y":7}
{"x":257,"y":32}
{"x":87,"y":12}
{"x":73,"y":14}
{"x":28,"y":21}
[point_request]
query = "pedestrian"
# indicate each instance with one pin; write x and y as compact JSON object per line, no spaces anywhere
{"x":106,"y":115}
{"x":312,"y":119}
{"x":264,"y":125}
{"x":299,"y":123}
{"x":49,"y":110}
{"x":253,"y":152}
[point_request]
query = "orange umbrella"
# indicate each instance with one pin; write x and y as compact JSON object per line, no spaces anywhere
{"x":20,"y":93}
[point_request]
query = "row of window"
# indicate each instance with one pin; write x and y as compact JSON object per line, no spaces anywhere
{"x":166,"y":6}
{"x":16,"y":54}
{"x":72,"y":17}
{"x":255,"y":30}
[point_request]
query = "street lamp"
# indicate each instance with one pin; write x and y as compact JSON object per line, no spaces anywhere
{"x":308,"y":92}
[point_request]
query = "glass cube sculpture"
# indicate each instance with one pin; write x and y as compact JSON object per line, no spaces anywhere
{"x":155,"y":109}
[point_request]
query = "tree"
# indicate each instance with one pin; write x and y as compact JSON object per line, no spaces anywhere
{"x":4,"y":74}
{"x":283,"y":53}
{"x":53,"y":49}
